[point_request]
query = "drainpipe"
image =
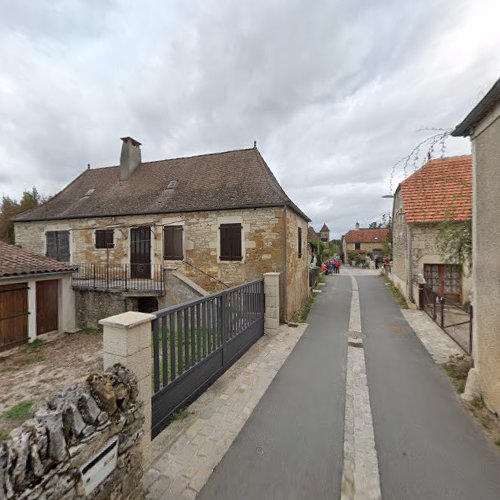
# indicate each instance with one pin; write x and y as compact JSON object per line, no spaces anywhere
{"x":283,"y":285}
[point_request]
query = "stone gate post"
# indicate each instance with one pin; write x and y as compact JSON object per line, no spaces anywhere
{"x":127,"y":340}
{"x":272,"y":299}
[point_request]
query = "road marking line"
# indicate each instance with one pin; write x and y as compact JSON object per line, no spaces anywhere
{"x":360,"y":478}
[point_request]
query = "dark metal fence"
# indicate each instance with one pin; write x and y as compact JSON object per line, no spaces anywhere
{"x":454,"y":320}
{"x":118,"y":277}
{"x":195,"y":342}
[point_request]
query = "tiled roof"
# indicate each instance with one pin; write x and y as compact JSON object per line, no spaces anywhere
{"x":234,"y":179}
{"x":439,"y":191}
{"x":15,"y":261}
{"x":312,"y":235}
{"x":366,"y":235}
{"x":324,"y":228}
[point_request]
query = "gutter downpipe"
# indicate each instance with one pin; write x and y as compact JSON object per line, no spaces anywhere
{"x":283,"y":285}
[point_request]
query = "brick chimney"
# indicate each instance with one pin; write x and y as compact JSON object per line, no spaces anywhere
{"x":130,"y":158}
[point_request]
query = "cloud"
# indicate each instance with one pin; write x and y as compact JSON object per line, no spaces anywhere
{"x":333,"y":92}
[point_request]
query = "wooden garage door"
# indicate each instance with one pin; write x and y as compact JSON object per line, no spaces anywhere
{"x":47,"y":313}
{"x":13,"y":315}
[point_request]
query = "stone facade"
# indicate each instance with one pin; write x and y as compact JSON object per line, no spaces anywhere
{"x":262,"y":246}
{"x":365,"y":248}
{"x":43,"y":457}
{"x":486,"y":266}
{"x":413,"y":246}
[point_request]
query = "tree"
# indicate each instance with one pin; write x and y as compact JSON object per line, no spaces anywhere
{"x":455,"y":242}
{"x":10,"y":207}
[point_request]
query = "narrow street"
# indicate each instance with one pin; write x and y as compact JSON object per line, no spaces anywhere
{"x":292,"y":446}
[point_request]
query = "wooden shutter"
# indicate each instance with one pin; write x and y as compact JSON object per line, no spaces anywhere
{"x":57,"y":245}
{"x":104,"y":238}
{"x":172,"y":243}
{"x":300,"y":241}
{"x":51,"y":244}
{"x":63,"y":246}
{"x":230,"y":242}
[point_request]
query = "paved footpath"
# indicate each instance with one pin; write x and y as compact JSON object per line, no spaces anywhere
{"x":292,"y":445}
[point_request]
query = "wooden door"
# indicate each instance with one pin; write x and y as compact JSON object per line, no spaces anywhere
{"x":47,"y":310}
{"x":140,"y":252}
{"x":13,"y":315}
{"x":445,"y":280}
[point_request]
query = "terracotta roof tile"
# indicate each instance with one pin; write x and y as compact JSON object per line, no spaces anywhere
{"x":441,"y":190}
{"x":15,"y":261}
{"x":234,"y":179}
{"x":366,"y":235}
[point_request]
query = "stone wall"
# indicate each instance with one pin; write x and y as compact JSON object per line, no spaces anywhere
{"x":486,"y":265}
{"x":42,"y":458}
{"x":399,"y":269}
{"x":91,"y":306}
{"x":297,"y":268}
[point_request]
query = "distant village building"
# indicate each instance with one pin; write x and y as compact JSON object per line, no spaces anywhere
{"x":195,"y":225}
{"x":482,"y":125}
{"x":439,"y":191}
{"x":325,"y":234}
{"x":364,"y":242}
{"x":312,"y":235}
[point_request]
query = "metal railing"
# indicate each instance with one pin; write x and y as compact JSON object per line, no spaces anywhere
{"x":454,"y":319}
{"x":120,"y":277}
{"x":195,"y":342}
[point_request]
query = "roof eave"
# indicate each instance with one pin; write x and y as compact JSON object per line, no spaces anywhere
{"x":36,"y":274}
{"x":465,"y":128}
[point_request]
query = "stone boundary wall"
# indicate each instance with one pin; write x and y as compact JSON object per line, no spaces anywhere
{"x":42,"y":458}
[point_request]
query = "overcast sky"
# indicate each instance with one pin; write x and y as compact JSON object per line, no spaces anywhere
{"x":333,"y":91}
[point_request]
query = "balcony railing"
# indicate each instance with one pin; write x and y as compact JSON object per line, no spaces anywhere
{"x":144,"y":278}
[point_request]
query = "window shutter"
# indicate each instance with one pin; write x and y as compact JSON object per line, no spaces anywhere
{"x":104,"y":238}
{"x":230,"y":242}
{"x":172,"y":243}
{"x":300,"y":241}
{"x":51,"y":244}
{"x":63,"y":246}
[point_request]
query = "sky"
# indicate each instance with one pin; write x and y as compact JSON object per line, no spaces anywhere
{"x":334,"y":92}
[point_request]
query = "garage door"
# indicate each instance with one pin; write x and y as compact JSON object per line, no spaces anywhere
{"x":47,"y":315}
{"x":13,"y":315}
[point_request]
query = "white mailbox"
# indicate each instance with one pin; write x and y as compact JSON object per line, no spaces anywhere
{"x":98,"y":468}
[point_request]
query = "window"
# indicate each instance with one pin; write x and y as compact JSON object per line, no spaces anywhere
{"x":357,"y":246}
{"x":299,"y":242}
{"x":445,"y":280}
{"x":172,"y":243}
{"x":230,"y":242}
{"x":57,"y":245}
{"x":104,"y":238}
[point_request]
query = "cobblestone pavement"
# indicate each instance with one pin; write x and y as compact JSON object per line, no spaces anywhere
{"x":360,"y":479}
{"x":187,"y":451}
{"x":437,"y":343}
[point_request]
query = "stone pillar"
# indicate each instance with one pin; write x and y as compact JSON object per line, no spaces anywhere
{"x":272,"y":294}
{"x":127,"y":340}
{"x":32,"y":310}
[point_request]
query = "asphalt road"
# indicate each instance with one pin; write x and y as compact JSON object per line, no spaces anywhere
{"x":428,"y":446}
{"x":292,"y":445}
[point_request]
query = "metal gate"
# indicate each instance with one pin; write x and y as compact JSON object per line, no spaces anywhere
{"x":195,"y":342}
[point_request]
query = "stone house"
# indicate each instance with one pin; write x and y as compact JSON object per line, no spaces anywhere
{"x":324,"y":234}
{"x":176,"y":229}
{"x":365,"y":242}
{"x":36,"y":297}
{"x":482,"y":125}
{"x":439,"y":191}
